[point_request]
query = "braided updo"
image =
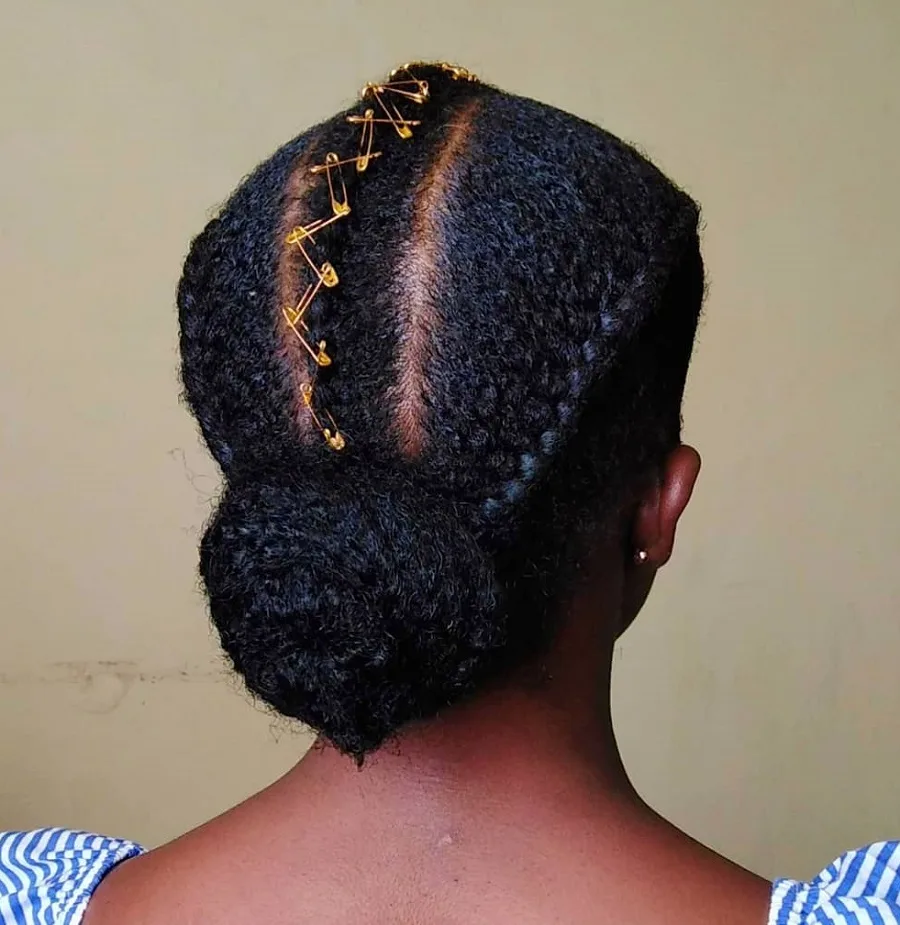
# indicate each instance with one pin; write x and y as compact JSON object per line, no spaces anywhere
{"x":518,"y":296}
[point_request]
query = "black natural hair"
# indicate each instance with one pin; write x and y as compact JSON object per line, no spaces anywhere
{"x":518,"y":297}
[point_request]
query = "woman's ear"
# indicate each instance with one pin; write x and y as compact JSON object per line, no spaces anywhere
{"x":661,"y":506}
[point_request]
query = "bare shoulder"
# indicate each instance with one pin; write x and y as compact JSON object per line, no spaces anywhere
{"x":249,"y":865}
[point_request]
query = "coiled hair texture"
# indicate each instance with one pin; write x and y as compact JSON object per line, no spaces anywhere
{"x":519,"y":292}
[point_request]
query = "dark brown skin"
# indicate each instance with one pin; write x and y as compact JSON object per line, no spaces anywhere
{"x":514,"y":808}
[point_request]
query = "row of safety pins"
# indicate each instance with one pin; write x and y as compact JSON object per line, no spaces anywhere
{"x":402,"y":85}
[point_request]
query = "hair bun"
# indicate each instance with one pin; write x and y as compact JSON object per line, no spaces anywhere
{"x":349,"y":601}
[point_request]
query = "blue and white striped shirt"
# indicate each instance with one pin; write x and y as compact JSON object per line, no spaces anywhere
{"x":860,"y":888}
{"x":48,"y":876}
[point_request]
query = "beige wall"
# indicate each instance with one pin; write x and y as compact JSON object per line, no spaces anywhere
{"x":757,"y":698}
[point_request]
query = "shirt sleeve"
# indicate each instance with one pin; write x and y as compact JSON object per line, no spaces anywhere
{"x":47,"y":876}
{"x":860,"y":887}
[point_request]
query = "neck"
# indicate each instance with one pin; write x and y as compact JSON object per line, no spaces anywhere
{"x":548,"y":727}
{"x":505,"y":732}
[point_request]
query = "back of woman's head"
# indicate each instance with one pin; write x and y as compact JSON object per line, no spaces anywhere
{"x":423,"y":409}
